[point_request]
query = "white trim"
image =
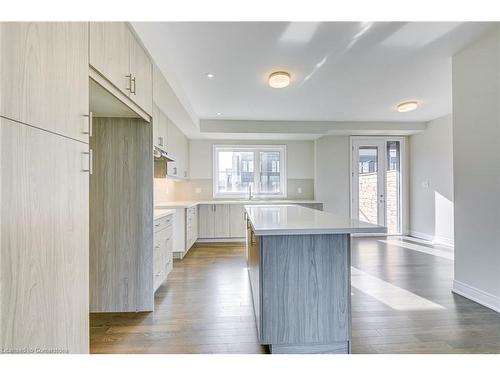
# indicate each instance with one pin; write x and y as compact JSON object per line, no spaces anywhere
{"x":483,"y":298}
{"x":232,"y":239}
{"x":254,"y":148}
{"x":434,"y":239}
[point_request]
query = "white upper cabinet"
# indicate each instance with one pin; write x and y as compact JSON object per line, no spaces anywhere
{"x":159,"y":128}
{"x":119,"y":57}
{"x":110,"y":52}
{"x":142,"y":76}
{"x":178,"y":149}
{"x":44,"y":76}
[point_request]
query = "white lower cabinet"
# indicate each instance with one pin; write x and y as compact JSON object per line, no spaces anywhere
{"x":191,"y":226}
{"x":185,"y":230}
{"x":237,"y":221}
{"x":162,"y":251}
{"x":221,"y":221}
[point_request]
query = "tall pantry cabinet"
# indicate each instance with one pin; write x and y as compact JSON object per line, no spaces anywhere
{"x":44,"y":187}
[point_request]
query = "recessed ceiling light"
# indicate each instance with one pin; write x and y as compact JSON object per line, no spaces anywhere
{"x":279,"y":80}
{"x":218,"y":113}
{"x":407,"y":106}
{"x":210,"y":75}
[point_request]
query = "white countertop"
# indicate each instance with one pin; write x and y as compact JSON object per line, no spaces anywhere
{"x":290,"y":219}
{"x":159,"y":213}
{"x":187,"y":204}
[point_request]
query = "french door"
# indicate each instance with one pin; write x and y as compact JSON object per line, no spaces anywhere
{"x":376,"y":181}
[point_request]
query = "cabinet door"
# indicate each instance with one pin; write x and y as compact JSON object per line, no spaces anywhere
{"x":159,"y":128}
{"x":178,"y":148}
{"x":44,"y":75}
{"x":44,"y":240}
{"x":110,"y":52}
{"x":237,"y":222}
{"x":142,"y":75}
{"x":221,"y":221}
{"x":206,"y":221}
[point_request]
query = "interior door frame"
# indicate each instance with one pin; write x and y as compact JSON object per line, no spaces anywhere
{"x":404,"y":176}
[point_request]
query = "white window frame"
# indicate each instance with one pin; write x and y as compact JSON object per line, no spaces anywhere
{"x":256,"y":149}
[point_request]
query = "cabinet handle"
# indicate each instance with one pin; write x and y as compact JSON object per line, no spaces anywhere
{"x":132,"y":91}
{"x":89,"y":124}
{"x":129,"y":88}
{"x":90,"y":162}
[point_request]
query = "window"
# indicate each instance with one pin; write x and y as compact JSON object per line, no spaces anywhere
{"x":237,"y":169}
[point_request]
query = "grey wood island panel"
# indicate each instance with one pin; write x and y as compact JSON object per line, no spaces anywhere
{"x":300,"y":278}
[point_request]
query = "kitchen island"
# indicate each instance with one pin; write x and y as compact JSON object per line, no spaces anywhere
{"x":299,"y":268}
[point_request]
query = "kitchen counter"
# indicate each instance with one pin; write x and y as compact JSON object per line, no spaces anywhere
{"x":159,"y":213}
{"x":187,"y":204}
{"x":292,"y":219}
{"x":299,"y":263}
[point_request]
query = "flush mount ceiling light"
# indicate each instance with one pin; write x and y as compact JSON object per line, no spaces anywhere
{"x":278,"y":80}
{"x":218,"y":113}
{"x":407,"y":106}
{"x":210,"y":75}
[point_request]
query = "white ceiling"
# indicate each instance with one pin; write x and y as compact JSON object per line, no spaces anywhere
{"x":341,"y":71}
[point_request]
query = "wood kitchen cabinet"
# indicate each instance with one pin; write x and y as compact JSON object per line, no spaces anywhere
{"x":214,"y":221}
{"x":121,"y":213}
{"x":44,"y":247}
{"x":178,"y":149}
{"x":142,"y":76}
{"x":160,"y":123}
{"x":44,"y":74}
{"x":206,"y":225}
{"x":222,"y":227}
{"x":237,"y":220}
{"x":117,"y":55}
{"x":162,"y":251}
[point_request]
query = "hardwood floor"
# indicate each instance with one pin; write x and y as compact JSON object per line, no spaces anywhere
{"x":401,"y":303}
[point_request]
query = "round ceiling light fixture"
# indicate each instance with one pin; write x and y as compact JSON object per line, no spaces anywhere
{"x":407,"y":106}
{"x":279,"y":80}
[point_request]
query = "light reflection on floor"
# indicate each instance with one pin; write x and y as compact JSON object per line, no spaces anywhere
{"x":400,"y":242}
{"x":391,"y":295}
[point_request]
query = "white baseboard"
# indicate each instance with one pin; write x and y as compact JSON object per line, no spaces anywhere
{"x":433,"y":239}
{"x":210,"y":240}
{"x":483,"y":298}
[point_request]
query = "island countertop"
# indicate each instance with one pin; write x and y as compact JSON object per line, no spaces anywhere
{"x":268,"y":220}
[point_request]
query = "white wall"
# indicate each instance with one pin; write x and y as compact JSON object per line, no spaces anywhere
{"x":431,"y":182}
{"x":332,"y":173}
{"x":300,"y":157}
{"x":476,"y":150}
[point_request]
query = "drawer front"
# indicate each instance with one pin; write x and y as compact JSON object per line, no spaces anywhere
{"x":163,"y":222}
{"x":158,"y":279}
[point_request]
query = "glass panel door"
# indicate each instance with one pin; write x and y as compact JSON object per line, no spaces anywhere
{"x":368,"y":186}
{"x":393,"y":187}
{"x":376,"y":189}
